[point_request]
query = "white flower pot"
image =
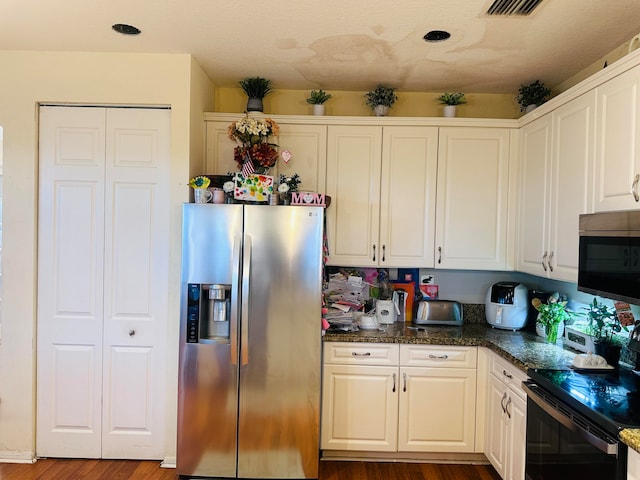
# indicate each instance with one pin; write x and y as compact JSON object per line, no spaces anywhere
{"x":318,"y":109}
{"x":449,"y":111}
{"x":530,"y":108}
{"x":541,"y":331}
{"x":381,"y":110}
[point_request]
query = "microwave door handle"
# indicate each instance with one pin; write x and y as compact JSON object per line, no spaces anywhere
{"x":244,"y":317}
{"x":235,"y":297}
{"x":600,"y":443}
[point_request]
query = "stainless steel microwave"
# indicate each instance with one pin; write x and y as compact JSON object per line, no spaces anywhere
{"x":609,"y":258}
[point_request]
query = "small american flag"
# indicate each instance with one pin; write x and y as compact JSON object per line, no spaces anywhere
{"x":247,"y":166}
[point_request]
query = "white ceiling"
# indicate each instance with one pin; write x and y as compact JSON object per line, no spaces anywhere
{"x":339,"y":44}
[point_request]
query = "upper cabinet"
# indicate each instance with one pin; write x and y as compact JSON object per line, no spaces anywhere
{"x":474,"y":174}
{"x":557,"y":152}
{"x":617,"y":171}
{"x":382,"y":182}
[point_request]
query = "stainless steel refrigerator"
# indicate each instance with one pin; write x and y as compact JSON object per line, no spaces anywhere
{"x":250,"y":341}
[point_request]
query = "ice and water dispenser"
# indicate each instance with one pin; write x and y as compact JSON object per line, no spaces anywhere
{"x":208,"y":312}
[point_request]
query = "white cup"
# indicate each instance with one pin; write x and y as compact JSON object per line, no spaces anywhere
{"x":368,"y":322}
{"x":202,"y":195}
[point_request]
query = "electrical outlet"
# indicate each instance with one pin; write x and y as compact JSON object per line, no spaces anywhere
{"x":427,"y":279}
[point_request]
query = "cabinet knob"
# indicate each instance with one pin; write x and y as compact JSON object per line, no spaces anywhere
{"x":374,"y":253}
{"x":132,"y":332}
{"x":439,"y":254}
{"x":384,"y":252}
{"x":394,"y":383}
{"x":365,"y":354}
{"x":634,"y":187}
{"x":550,"y":260}
{"x":508,"y":375}
{"x":404,"y":382}
{"x":504,"y":397}
{"x":544,"y":259}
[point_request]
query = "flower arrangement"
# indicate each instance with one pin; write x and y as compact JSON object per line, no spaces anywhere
{"x":252,"y":135}
{"x":289,"y":184}
{"x":551,"y":314}
{"x":199,"y":182}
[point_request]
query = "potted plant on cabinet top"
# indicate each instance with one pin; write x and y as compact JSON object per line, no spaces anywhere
{"x":532,"y":95}
{"x":381,"y":99}
{"x":450,"y":100}
{"x":603,"y":326}
{"x":551,"y":316}
{"x":256,"y":88}
{"x":317,"y":99}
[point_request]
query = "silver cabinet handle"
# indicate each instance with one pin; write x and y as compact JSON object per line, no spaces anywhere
{"x":132,"y":332}
{"x":504,"y":397}
{"x":508,"y":375}
{"x":506,"y":408}
{"x":634,"y":187}
{"x":544,"y":259}
{"x":384,"y":252}
{"x":442,"y":357}
{"x":365,"y":354}
{"x":374,"y":253}
{"x":439,"y":254}
{"x":550,"y":261}
{"x":404,"y":380}
{"x":394,"y":383}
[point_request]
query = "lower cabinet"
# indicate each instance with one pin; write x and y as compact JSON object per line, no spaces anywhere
{"x":424,"y":402}
{"x":505,"y":441}
{"x":633,"y":465}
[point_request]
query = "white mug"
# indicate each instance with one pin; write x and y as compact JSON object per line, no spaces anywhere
{"x":201,"y":195}
{"x":368,"y":322}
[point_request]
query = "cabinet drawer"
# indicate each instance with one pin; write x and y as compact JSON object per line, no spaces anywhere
{"x":346,"y":353}
{"x":438,"y":356}
{"x":508,"y":374}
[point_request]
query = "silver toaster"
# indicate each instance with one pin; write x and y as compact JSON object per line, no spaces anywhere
{"x":438,"y":312}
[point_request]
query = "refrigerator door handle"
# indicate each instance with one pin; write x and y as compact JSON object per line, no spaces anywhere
{"x":235,"y":297}
{"x":244,"y":315}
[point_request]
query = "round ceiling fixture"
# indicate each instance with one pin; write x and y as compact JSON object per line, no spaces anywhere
{"x":436,"y":36}
{"x":125,"y":29}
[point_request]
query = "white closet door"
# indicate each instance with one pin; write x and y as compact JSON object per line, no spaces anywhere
{"x":70,"y":282}
{"x":136,"y":286}
{"x":101,"y":380}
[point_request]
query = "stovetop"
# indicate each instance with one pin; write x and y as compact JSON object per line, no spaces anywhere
{"x":610,"y":399}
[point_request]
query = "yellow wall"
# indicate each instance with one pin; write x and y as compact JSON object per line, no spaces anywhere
{"x":292,"y":102}
{"x":27,"y":79}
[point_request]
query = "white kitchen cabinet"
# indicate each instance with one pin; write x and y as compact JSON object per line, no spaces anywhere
{"x":437,"y":408}
{"x":474,"y":174}
{"x":633,"y":465}
{"x":307,"y":144}
{"x":505,"y":442}
{"x":359,"y":397}
{"x":425,"y":402}
{"x":557,"y":157}
{"x":617,"y":166}
{"x":382,"y":181}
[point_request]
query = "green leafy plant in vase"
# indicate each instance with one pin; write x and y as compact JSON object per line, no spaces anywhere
{"x":532,"y":95}
{"x":603,"y":326}
{"x":552,"y":315}
{"x":381,"y":99}
{"x":317,"y":99}
{"x":256,"y":88}
{"x":450,"y":101}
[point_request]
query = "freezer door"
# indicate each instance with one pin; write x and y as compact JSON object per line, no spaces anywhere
{"x":208,"y":367}
{"x":278,"y":431}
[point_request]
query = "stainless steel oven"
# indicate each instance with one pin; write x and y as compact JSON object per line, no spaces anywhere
{"x":563,"y":444}
{"x":573,"y":421}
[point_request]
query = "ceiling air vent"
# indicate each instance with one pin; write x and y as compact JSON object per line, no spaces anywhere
{"x":513,"y":7}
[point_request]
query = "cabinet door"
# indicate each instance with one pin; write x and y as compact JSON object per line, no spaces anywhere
{"x":353,"y":182}
{"x":472,"y":199}
{"x":495,"y":440}
{"x":219,"y":150}
{"x":437,"y":411}
{"x":633,"y":465}
{"x":359,"y":408}
{"x":308,"y":147}
{"x":573,"y":126}
{"x":408,"y":196}
{"x":516,"y":423}
{"x":535,"y":168}
{"x":617,"y":137}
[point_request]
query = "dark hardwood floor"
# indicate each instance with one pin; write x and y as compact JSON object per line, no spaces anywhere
{"x":58,"y":469}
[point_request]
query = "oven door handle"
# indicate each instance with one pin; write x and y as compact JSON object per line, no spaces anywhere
{"x":600,"y":443}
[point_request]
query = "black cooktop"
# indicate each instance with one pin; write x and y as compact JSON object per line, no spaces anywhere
{"x":610,"y":398}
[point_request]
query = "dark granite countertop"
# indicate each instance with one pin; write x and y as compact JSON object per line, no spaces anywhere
{"x":523,"y":349}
